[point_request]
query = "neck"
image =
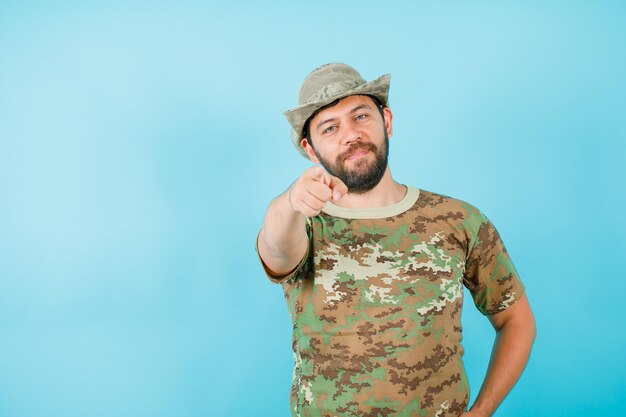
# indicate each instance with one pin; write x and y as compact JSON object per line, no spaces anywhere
{"x":385,"y":193}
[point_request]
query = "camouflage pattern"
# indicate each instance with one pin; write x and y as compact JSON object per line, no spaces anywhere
{"x":326,"y":84}
{"x":376,"y":308}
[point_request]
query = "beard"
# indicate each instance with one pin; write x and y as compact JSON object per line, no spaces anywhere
{"x":365,"y":175}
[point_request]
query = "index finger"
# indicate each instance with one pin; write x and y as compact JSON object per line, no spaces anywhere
{"x":338,"y":187}
{"x":319,"y":174}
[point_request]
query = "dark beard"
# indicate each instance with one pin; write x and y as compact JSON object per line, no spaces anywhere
{"x":357,"y":180}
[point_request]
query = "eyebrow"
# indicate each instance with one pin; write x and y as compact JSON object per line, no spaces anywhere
{"x":332,"y":119}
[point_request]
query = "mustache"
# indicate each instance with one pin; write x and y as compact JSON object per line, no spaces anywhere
{"x":354,"y":148}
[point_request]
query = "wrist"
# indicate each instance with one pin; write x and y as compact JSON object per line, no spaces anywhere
{"x":479,"y":410}
{"x":286,"y":210}
{"x":289,"y":199}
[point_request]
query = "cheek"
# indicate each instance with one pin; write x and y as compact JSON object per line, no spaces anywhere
{"x":328,"y":151}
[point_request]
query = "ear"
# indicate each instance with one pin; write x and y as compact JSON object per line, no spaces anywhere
{"x":309,"y":150}
{"x":388,"y":116}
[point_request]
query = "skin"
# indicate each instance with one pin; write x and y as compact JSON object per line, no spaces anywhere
{"x":283,"y":242}
{"x":515,"y":334}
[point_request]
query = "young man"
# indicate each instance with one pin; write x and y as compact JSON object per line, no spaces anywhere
{"x":373,"y":270}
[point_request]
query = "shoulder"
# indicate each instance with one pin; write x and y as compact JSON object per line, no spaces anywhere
{"x":439,"y":204}
{"x":440,"y":211}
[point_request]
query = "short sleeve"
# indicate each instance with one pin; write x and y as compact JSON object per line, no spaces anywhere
{"x":280,"y":279}
{"x":490,"y":275}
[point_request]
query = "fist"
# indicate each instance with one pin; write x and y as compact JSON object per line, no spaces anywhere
{"x":313,"y":190}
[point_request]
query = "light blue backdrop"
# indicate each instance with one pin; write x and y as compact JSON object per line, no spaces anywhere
{"x":141,"y":142}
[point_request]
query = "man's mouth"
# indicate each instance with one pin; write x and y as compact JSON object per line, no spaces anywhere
{"x":357,"y":154}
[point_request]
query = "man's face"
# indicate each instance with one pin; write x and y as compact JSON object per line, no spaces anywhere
{"x":351,"y":141}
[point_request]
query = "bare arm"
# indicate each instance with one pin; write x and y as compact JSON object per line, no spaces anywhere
{"x":515,"y":335}
{"x":283,"y":240}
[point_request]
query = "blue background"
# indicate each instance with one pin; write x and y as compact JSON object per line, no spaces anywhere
{"x":140,"y":144}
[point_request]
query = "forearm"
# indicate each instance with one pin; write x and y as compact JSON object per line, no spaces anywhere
{"x":508,"y":359}
{"x":283,"y":240}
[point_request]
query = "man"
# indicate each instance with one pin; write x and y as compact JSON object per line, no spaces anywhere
{"x":373,"y":270}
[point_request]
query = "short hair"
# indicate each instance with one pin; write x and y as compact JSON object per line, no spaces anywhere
{"x":306,"y":131}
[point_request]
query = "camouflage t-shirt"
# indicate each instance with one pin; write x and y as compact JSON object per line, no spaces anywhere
{"x":376,"y":306}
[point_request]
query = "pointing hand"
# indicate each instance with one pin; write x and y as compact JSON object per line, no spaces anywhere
{"x":313,"y":190}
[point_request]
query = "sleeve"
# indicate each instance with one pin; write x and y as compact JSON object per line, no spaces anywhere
{"x":298,"y":270}
{"x":490,"y":275}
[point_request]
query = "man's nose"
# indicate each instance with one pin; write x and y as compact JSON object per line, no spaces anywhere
{"x":351,"y":133}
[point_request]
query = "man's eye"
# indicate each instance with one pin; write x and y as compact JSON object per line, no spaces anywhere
{"x":329,"y":129}
{"x":361,"y":116}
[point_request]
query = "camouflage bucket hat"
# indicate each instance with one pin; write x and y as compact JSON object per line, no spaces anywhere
{"x":325,"y":85}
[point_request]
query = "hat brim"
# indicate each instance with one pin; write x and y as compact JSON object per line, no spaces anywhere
{"x":298,"y":116}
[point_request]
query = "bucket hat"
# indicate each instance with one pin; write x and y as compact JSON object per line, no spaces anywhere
{"x":326,"y":84}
